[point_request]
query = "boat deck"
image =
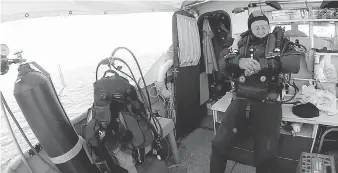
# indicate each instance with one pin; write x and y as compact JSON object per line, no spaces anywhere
{"x":195,"y":152}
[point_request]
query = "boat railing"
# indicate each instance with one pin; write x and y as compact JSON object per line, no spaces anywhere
{"x":62,"y":80}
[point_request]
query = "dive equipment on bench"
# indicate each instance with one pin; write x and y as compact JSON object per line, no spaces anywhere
{"x":121,"y":112}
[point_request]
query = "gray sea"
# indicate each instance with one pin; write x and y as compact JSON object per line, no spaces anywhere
{"x":76,"y":98}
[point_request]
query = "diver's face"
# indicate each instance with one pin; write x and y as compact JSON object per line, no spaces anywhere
{"x":260,"y":28}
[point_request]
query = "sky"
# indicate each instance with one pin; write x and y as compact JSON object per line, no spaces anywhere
{"x":75,"y":41}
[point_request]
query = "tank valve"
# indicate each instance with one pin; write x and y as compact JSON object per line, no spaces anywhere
{"x":18,"y":54}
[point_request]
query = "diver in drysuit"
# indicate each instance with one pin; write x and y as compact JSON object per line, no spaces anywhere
{"x":258,"y":82}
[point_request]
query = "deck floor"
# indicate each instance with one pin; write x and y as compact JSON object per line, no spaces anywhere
{"x":195,"y":152}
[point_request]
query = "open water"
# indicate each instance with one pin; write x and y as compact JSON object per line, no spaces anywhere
{"x":76,"y":98}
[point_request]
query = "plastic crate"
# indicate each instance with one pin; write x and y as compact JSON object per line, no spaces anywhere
{"x":316,"y":163}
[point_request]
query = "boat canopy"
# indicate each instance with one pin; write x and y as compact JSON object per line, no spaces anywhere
{"x":26,"y":9}
{"x":16,"y":10}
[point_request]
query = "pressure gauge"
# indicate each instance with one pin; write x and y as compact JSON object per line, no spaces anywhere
{"x":4,"y":50}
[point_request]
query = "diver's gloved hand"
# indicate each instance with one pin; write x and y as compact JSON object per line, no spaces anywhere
{"x":250,"y":66}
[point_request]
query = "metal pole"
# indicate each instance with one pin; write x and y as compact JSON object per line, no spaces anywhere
{"x":62,"y":80}
{"x":312,"y":43}
{"x":196,"y":4}
{"x":14,"y":138}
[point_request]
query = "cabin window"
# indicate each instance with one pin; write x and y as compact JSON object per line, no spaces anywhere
{"x":296,"y":26}
{"x":325,"y":34}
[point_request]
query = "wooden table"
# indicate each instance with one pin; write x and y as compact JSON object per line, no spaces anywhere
{"x":323,"y":119}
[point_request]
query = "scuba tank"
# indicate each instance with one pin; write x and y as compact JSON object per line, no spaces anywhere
{"x":39,"y":103}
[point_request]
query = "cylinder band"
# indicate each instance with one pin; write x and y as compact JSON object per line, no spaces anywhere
{"x":70,"y":154}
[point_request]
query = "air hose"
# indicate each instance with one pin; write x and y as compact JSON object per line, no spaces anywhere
{"x":139,"y":68}
{"x":103,"y":62}
{"x":291,"y":98}
{"x":132,"y":77}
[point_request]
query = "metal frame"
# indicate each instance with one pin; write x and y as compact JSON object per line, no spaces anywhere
{"x":22,"y":156}
{"x":195,"y":4}
{"x":304,"y":20}
{"x":266,"y":8}
{"x":214,"y":118}
{"x":62,"y":80}
{"x":314,"y":136}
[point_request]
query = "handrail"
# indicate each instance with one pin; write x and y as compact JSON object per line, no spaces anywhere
{"x":290,"y":1}
{"x":313,"y":80}
{"x":195,"y":4}
{"x":62,"y":80}
{"x":304,"y":20}
{"x":23,"y":158}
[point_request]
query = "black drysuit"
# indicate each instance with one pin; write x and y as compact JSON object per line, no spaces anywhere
{"x":265,"y":116}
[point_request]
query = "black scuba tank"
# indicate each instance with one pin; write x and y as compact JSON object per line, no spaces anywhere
{"x":39,"y":103}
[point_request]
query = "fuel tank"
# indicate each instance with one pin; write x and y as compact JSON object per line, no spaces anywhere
{"x":39,"y":103}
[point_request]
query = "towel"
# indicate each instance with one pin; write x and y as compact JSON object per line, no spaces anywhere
{"x":326,"y":75}
{"x":324,"y":100}
{"x":208,"y":49}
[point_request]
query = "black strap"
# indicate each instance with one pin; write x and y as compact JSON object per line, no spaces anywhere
{"x":247,"y":111}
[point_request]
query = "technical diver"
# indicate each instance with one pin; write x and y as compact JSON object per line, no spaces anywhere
{"x":265,"y":115}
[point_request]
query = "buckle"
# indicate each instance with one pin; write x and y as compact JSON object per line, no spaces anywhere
{"x":247,"y":111}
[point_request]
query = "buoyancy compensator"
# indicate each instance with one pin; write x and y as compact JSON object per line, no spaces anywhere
{"x":279,"y":48}
{"x":118,"y":113}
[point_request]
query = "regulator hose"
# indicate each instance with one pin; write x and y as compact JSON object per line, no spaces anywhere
{"x":157,"y":128}
{"x":139,"y":68}
{"x":293,"y":96}
{"x":103,"y":62}
{"x":151,"y":116}
{"x":132,"y":77}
